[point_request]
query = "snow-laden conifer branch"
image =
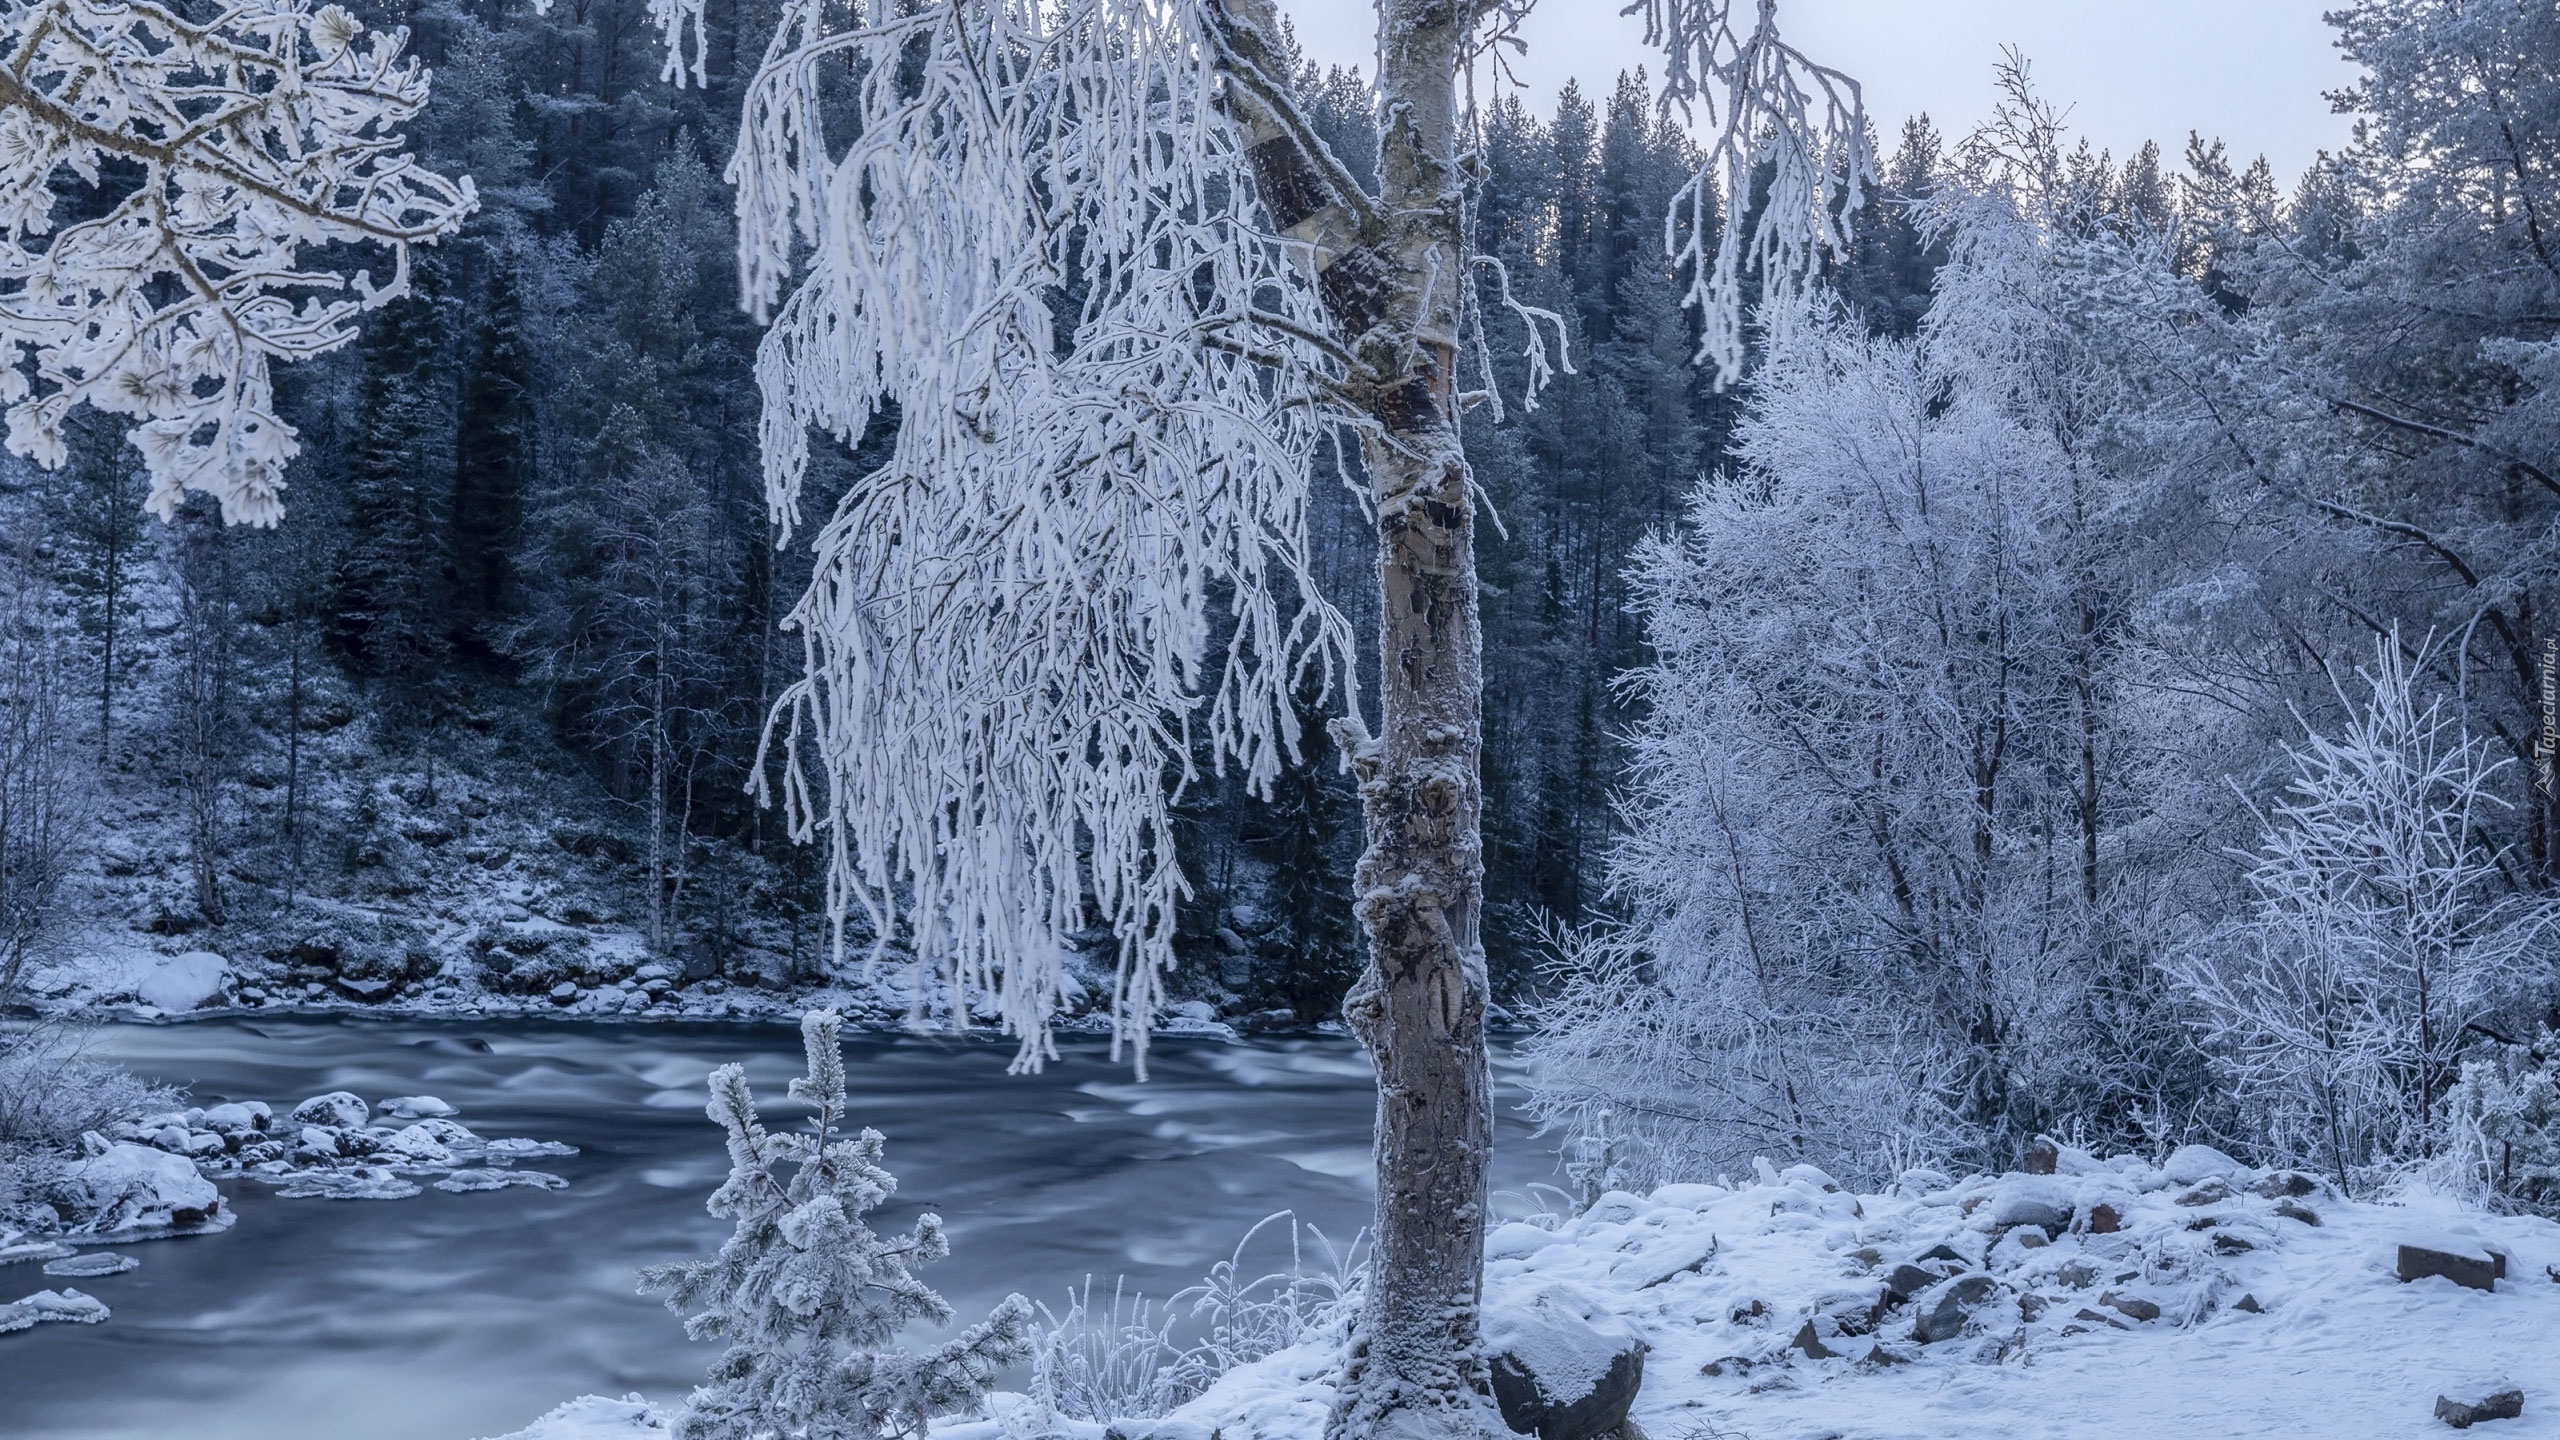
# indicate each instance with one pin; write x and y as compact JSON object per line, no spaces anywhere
{"x":267,"y":129}
{"x":1788,"y":158}
{"x":1037,"y":239}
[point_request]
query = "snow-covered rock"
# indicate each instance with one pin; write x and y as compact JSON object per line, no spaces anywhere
{"x":134,"y":1188}
{"x":2467,"y":1405}
{"x":337,"y":1109}
{"x":90,"y":1265}
{"x":416,"y":1107}
{"x":2194,"y":1164}
{"x":183,"y":982}
{"x":63,"y":1305}
{"x":1564,"y":1364}
{"x":238,"y":1115}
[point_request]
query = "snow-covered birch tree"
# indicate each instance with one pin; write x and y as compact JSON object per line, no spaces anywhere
{"x":1091,"y":261}
{"x":1118,"y":292}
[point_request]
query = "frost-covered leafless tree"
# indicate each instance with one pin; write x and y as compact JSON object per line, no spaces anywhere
{"x":260,"y":132}
{"x":44,"y":776}
{"x":2380,"y":931}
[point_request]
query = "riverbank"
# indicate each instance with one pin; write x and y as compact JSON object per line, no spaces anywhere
{"x":443,"y":1315}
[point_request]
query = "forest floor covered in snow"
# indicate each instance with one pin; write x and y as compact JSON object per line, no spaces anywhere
{"x":2108,"y":1301}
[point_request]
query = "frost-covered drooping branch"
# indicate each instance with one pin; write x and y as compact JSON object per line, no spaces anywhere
{"x":1031,"y":240}
{"x":219,"y":151}
{"x":1788,"y":157}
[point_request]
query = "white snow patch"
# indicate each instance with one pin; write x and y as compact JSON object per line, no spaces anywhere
{"x":595,"y":1417}
{"x":2329,"y":1343}
{"x":183,"y":982}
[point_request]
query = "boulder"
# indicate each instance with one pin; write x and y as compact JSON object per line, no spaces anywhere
{"x":2296,"y":1210}
{"x":2044,"y":1154}
{"x":338,"y":1109}
{"x":2284,"y":1184}
{"x":238,"y":1115}
{"x":2131,"y":1306}
{"x":1564,"y":1366}
{"x":1906,"y":1281}
{"x":2035,"y":1200}
{"x":2464,"y":1262}
{"x":183,"y":982}
{"x":134,"y":1187}
{"x":2468,"y":1405}
{"x":1808,"y":1339}
{"x":1946,"y":1312}
{"x":2213,"y":1191}
{"x":370,"y":991}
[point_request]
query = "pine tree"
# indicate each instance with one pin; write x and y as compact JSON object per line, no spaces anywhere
{"x":808,"y":1296}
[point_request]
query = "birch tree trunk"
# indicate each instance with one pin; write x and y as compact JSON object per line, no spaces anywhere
{"x":1393,"y":272}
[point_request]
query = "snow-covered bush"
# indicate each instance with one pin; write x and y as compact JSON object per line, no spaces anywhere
{"x":808,"y":1297}
{"x":2505,"y":1116}
{"x":2379,"y":930}
{"x":51,"y":1092}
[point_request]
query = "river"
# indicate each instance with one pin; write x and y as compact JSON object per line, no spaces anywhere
{"x":445,"y":1317}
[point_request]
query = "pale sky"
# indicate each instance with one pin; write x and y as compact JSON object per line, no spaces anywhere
{"x":2249,"y":71}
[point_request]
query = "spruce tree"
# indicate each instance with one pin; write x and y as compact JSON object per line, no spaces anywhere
{"x":808,"y":1296}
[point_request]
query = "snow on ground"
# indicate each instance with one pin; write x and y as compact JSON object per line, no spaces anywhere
{"x":594,"y":1417}
{"x":2273,"y":1309}
{"x":1729,"y":1278}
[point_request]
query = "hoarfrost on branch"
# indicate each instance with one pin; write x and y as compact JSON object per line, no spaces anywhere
{"x":1776,"y":119}
{"x":268,"y":129}
{"x":1037,"y":248}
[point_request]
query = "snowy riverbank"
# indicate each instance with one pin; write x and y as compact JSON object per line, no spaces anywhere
{"x":2109,"y":1300}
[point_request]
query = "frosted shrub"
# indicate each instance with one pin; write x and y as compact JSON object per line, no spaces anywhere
{"x":1121,"y":1362}
{"x":808,"y":1296}
{"x":2505,"y":1118}
{"x":50,"y":1091}
{"x":2379,"y":931}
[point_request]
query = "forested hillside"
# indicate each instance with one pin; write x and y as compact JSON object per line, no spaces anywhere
{"x":509,"y":662}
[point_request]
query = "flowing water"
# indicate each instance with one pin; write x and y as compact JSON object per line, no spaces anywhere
{"x":444,"y":1317}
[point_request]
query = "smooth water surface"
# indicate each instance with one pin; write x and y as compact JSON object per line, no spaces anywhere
{"x":445,"y":1317}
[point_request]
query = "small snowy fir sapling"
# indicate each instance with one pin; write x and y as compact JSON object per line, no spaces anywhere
{"x":808,"y":1296}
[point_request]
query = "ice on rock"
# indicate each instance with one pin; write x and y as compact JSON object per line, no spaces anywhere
{"x":417,"y":1107}
{"x":64,"y":1305}
{"x":337,"y":1109}
{"x":95,"y":1263}
{"x":358,"y":1182}
{"x":16,"y":1248}
{"x":462,"y":1182}
{"x":519,"y":1149}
